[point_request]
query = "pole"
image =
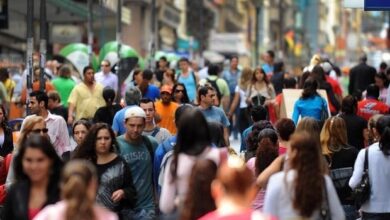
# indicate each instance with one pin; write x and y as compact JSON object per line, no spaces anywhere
{"x":119,"y":41}
{"x":42,"y":45}
{"x":257,"y":34}
{"x":30,"y":48}
{"x":90,"y":31}
{"x":153,"y":37}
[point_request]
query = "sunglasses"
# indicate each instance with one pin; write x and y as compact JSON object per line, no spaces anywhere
{"x":43,"y":130}
{"x":179,"y":90}
{"x":104,"y":65}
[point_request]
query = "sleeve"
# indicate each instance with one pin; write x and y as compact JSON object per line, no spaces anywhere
{"x":351,"y":82}
{"x":115,"y":123}
{"x":64,"y":136}
{"x":128,"y":186}
{"x":224,"y":120}
{"x":357,"y":170}
{"x":272,"y":197}
{"x":168,"y":192}
{"x":73,"y":97}
{"x":158,"y":156}
{"x":225,"y":88}
{"x":336,"y":210}
{"x":7,"y":211}
{"x":115,"y":83}
{"x":296,"y":113}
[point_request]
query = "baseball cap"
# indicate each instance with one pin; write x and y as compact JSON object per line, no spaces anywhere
{"x":166,"y":88}
{"x":135,"y":112}
{"x":327,"y":67}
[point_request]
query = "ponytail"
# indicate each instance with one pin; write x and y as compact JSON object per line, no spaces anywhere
{"x":383,"y":128}
{"x":265,"y":154}
{"x":77,"y":177}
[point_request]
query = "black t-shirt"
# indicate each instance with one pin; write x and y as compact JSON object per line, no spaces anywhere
{"x":106,"y":114}
{"x":344,"y":158}
{"x":355,"y":127}
{"x":61,"y":111}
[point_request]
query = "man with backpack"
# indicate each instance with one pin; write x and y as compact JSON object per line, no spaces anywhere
{"x":151,"y":129}
{"x":220,"y":86}
{"x":138,"y":152}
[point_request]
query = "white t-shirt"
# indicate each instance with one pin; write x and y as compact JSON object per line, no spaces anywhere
{"x":243,"y":97}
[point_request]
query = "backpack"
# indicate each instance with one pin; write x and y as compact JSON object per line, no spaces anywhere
{"x":213,"y":83}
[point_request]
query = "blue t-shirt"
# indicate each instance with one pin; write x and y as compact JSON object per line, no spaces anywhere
{"x":309,"y":107}
{"x":215,"y":114}
{"x":190,"y":84}
{"x":244,"y":135}
{"x":232,"y":80}
{"x":118,"y":123}
{"x":141,"y":166}
{"x":267,"y":68}
{"x":153,"y":92}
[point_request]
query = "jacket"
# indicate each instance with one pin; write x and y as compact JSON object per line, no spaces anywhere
{"x":8,"y":144}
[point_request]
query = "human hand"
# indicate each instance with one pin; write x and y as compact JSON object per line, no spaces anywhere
{"x":118,"y":195}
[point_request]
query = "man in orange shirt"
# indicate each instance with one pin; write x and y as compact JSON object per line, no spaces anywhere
{"x":166,"y":109}
{"x":371,"y":105}
{"x":36,"y":86}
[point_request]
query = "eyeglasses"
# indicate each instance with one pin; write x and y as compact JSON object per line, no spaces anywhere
{"x":179,"y":90}
{"x":43,"y":130}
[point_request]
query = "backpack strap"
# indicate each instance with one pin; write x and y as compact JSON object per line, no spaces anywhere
{"x":155,"y":131}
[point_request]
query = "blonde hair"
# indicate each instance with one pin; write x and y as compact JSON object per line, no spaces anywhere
{"x":76,"y":179}
{"x":333,"y":135}
{"x":28,"y":125}
{"x":371,"y":125}
{"x":245,"y":78}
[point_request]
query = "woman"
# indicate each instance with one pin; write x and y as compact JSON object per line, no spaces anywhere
{"x":192,"y":143}
{"x":285,"y":128}
{"x":253,"y":138}
{"x":377,"y":207}
{"x":169,"y":78}
{"x":106,"y":113}
{"x":303,"y":191}
{"x":216,"y":133}
{"x":78,"y":192}
{"x":6,"y":141}
{"x":240,"y":97}
{"x":180,"y":95}
{"x":259,"y":85}
{"x":37,"y":171}
{"x":199,"y":200}
{"x":79,"y":130}
{"x":233,"y":191}
{"x":341,"y":158}
{"x":116,"y":190}
{"x":383,"y":83}
{"x":310,"y":104}
{"x":265,"y":154}
{"x":372,"y":134}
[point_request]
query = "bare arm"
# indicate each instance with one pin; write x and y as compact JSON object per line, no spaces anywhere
{"x":226,"y":136}
{"x":234,"y":104}
{"x":71,"y":108}
{"x":273,"y":168}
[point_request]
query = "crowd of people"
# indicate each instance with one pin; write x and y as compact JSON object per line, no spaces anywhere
{"x":165,"y":152}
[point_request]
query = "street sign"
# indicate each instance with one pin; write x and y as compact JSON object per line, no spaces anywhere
{"x":368,"y":5}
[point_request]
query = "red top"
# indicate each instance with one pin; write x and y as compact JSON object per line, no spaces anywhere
{"x":32,"y":213}
{"x":282,"y":150}
{"x":369,"y":107}
{"x":247,"y":215}
{"x":336,"y":90}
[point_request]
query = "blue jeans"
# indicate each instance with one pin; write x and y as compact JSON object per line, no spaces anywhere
{"x":350,"y":212}
{"x":375,"y":216}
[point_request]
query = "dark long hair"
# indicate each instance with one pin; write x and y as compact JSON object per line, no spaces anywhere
{"x":309,"y":88}
{"x":253,"y":138}
{"x":383,"y":128}
{"x":265,"y":78}
{"x":267,"y":151}
{"x":43,"y":144}
{"x":193,"y":137}
{"x":87,"y":150}
{"x":184,"y":99}
{"x":216,"y":132}
{"x":308,"y":164}
{"x":199,"y":201}
{"x":4,"y":123}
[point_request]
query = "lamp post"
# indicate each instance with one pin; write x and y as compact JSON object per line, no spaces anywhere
{"x":30,"y":48}
{"x":259,"y":5}
{"x":42,"y":45}
{"x":90,"y":31}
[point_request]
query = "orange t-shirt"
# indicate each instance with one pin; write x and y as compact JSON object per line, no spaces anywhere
{"x":167,"y":114}
{"x":35,"y":87}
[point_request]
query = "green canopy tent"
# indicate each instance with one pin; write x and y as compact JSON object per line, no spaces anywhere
{"x":77,"y":55}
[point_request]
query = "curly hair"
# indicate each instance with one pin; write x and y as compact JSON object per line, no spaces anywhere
{"x":253,"y":138}
{"x":4,"y":123}
{"x":87,"y":150}
{"x":267,"y":151}
{"x":307,"y":163}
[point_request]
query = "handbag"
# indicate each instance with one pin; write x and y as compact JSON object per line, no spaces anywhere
{"x":340,"y":177}
{"x":363,"y":190}
{"x":325,"y":210}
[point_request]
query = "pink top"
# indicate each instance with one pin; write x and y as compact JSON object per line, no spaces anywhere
{"x":258,"y":202}
{"x":57,"y":212}
{"x":247,"y":215}
{"x":282,"y":150}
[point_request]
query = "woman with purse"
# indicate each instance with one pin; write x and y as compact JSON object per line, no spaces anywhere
{"x":304,"y":190}
{"x":377,"y":159}
{"x":340,"y":158}
{"x":310,"y":104}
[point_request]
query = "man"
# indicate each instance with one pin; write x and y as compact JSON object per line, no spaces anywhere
{"x":371,"y":105}
{"x":258,"y":113}
{"x":58,"y":131}
{"x":138,"y":151}
{"x":106,"y":77}
{"x":361,"y":76}
{"x":165,"y":108}
{"x":162,"y":67}
{"x":268,"y":66}
{"x":220,"y":86}
{"x":64,"y":84}
{"x":161,"y":134}
{"x":132,"y":98}
{"x":188,"y":78}
{"x":85,"y":98}
{"x":55,"y":105}
{"x":36,"y":84}
{"x":206,"y":96}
